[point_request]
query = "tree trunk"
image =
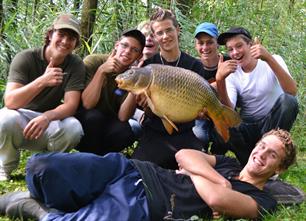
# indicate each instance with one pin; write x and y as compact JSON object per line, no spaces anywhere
{"x":87,"y":22}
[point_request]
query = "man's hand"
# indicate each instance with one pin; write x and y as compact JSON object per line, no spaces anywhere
{"x":141,"y":100}
{"x":112,"y":65}
{"x":36,"y":127}
{"x":216,"y":215}
{"x":225,"y":68}
{"x":203,"y":114}
{"x":139,"y":65}
{"x":258,"y":51}
{"x":53,"y":76}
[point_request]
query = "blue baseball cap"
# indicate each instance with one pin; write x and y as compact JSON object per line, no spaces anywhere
{"x":208,"y":28}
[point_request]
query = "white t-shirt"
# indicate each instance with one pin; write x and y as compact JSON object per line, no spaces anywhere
{"x":255,"y":92}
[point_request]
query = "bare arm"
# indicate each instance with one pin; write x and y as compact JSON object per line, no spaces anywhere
{"x":18,"y":95}
{"x":127,"y":108}
{"x":287,"y":83}
{"x":225,"y":68}
{"x":198,"y":163}
{"x":92,"y":92}
{"x":67,"y":109}
{"x":224,"y":200}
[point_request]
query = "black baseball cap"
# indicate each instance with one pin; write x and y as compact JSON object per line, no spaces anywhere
{"x":137,"y":35}
{"x":232,"y":32}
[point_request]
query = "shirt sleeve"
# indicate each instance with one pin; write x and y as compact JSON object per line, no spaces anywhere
{"x":19,"y":68}
{"x":92,"y":63}
{"x":266,"y":204}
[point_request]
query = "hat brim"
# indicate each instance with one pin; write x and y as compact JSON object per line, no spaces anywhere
{"x":222,"y":37}
{"x":137,"y":35}
{"x":205,"y":32}
{"x":65,"y":26}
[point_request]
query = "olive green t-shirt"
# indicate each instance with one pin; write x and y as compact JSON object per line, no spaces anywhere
{"x":111,"y":96}
{"x":30,"y":64}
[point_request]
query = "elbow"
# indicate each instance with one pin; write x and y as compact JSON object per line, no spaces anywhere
{"x":214,"y":202}
{"x":294,"y":90}
{"x":122,"y":118}
{"x":10,"y":104}
{"x":179,"y":156}
{"x":87,"y":102}
{"x":87,"y":105}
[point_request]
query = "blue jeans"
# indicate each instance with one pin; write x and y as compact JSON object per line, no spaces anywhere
{"x":202,"y":130}
{"x":87,"y":186}
{"x":244,"y":138}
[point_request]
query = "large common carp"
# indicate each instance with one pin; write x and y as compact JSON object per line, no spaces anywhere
{"x":177,"y":95}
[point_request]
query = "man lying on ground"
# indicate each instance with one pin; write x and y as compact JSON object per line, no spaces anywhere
{"x":79,"y":186}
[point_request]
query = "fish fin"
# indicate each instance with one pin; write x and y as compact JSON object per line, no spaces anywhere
{"x":150,"y":103}
{"x":168,"y":124}
{"x":223,"y":121}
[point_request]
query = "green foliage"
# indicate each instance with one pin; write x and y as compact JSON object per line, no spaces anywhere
{"x":280,"y":24}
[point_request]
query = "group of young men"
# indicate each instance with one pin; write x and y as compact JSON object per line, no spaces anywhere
{"x":89,"y":113}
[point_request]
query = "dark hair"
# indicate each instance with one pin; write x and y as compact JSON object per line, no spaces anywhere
{"x":290,"y":148}
{"x":70,"y":32}
{"x":161,"y":14}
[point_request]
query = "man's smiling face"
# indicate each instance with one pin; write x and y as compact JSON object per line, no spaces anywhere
{"x":266,"y":157}
{"x":238,"y":49}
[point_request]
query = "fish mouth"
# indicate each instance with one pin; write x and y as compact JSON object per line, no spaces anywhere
{"x":119,"y":82}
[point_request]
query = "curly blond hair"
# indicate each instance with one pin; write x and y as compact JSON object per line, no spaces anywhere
{"x":290,"y":149}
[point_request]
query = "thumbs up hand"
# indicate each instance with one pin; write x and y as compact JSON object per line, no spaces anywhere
{"x":258,"y":51}
{"x":225,"y":68}
{"x":53,"y":76}
{"x":112,"y":64}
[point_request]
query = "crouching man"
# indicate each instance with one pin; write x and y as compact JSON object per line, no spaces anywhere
{"x":42,"y":94}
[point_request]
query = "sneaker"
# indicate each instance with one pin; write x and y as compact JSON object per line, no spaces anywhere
{"x":9,"y":198}
{"x":284,"y":193}
{"x":26,"y":208}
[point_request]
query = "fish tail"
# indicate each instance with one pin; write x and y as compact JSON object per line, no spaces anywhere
{"x":226,"y":119}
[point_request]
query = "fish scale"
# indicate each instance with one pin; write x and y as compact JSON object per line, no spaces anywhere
{"x":177,"y":95}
